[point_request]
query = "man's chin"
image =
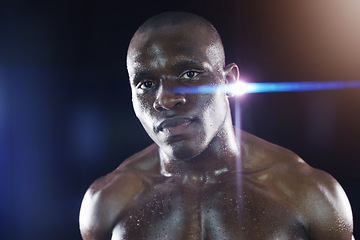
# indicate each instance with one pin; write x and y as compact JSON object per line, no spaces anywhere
{"x":180,"y":153}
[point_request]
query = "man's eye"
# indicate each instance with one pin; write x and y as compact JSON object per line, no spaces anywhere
{"x":146,"y":85}
{"x":189,"y":74}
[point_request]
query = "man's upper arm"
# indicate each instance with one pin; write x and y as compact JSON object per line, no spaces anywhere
{"x":103,"y":202}
{"x":95,"y":222}
{"x":328,"y":209}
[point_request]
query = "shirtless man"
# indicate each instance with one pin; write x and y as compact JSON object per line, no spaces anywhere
{"x":188,"y":185}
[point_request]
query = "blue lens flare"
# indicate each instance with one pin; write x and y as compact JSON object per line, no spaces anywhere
{"x":240,"y":88}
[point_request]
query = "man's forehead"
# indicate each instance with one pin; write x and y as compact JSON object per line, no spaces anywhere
{"x":167,"y":37}
{"x":181,"y":38}
{"x":189,"y":41}
{"x":184,"y":31}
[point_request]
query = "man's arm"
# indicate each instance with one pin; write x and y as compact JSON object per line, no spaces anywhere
{"x":103,"y":203}
{"x":327,"y":209}
{"x":95,"y":220}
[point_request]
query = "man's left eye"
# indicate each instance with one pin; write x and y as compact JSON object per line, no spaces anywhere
{"x":189,"y":74}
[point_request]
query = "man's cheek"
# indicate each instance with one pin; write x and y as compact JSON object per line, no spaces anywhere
{"x":139,"y":104}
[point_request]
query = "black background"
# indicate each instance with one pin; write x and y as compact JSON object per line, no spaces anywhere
{"x":65,"y":105}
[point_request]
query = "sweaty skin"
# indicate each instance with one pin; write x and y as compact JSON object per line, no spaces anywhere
{"x":189,"y":184}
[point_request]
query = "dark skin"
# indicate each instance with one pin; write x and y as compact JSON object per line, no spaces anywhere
{"x":190,"y":183}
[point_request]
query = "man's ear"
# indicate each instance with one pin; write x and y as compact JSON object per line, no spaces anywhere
{"x":231,"y":73}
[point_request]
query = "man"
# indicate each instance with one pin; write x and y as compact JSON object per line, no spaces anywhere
{"x":190,"y":183}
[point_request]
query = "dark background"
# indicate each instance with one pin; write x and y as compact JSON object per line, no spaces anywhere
{"x":65,"y":106}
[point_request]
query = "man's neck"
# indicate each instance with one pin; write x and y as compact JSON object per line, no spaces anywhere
{"x":207,"y":167}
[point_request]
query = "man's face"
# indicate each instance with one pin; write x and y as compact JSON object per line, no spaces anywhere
{"x":160,"y":60}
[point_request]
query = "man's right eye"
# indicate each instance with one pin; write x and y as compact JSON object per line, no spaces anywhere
{"x":146,"y":85}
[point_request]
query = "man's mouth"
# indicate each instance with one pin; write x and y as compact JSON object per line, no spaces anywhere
{"x":174,"y":125}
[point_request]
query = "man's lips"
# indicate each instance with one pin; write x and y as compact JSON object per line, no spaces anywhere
{"x":174,"y":122}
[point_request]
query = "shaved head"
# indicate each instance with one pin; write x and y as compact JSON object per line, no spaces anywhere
{"x":173,"y":19}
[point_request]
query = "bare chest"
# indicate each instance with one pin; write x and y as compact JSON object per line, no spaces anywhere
{"x":214,"y":212}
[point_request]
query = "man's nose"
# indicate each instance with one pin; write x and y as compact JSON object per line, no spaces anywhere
{"x":167,"y":99}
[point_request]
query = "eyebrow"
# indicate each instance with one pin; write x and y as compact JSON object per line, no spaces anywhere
{"x":142,"y":73}
{"x":186,"y":62}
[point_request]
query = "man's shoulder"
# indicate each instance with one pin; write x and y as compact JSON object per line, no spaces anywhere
{"x":319,"y":200}
{"x":323,"y":206}
{"x":289,"y":170}
{"x":113,"y":193}
{"x":133,"y":171}
{"x":286,"y":164}
{"x":104,"y":200}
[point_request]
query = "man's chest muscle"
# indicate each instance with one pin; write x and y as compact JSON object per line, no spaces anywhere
{"x":210,"y":213}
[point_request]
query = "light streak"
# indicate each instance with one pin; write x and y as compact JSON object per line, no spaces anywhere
{"x":240,"y":88}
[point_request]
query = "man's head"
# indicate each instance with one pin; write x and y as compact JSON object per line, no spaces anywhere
{"x":166,"y":22}
{"x":173,"y":50}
